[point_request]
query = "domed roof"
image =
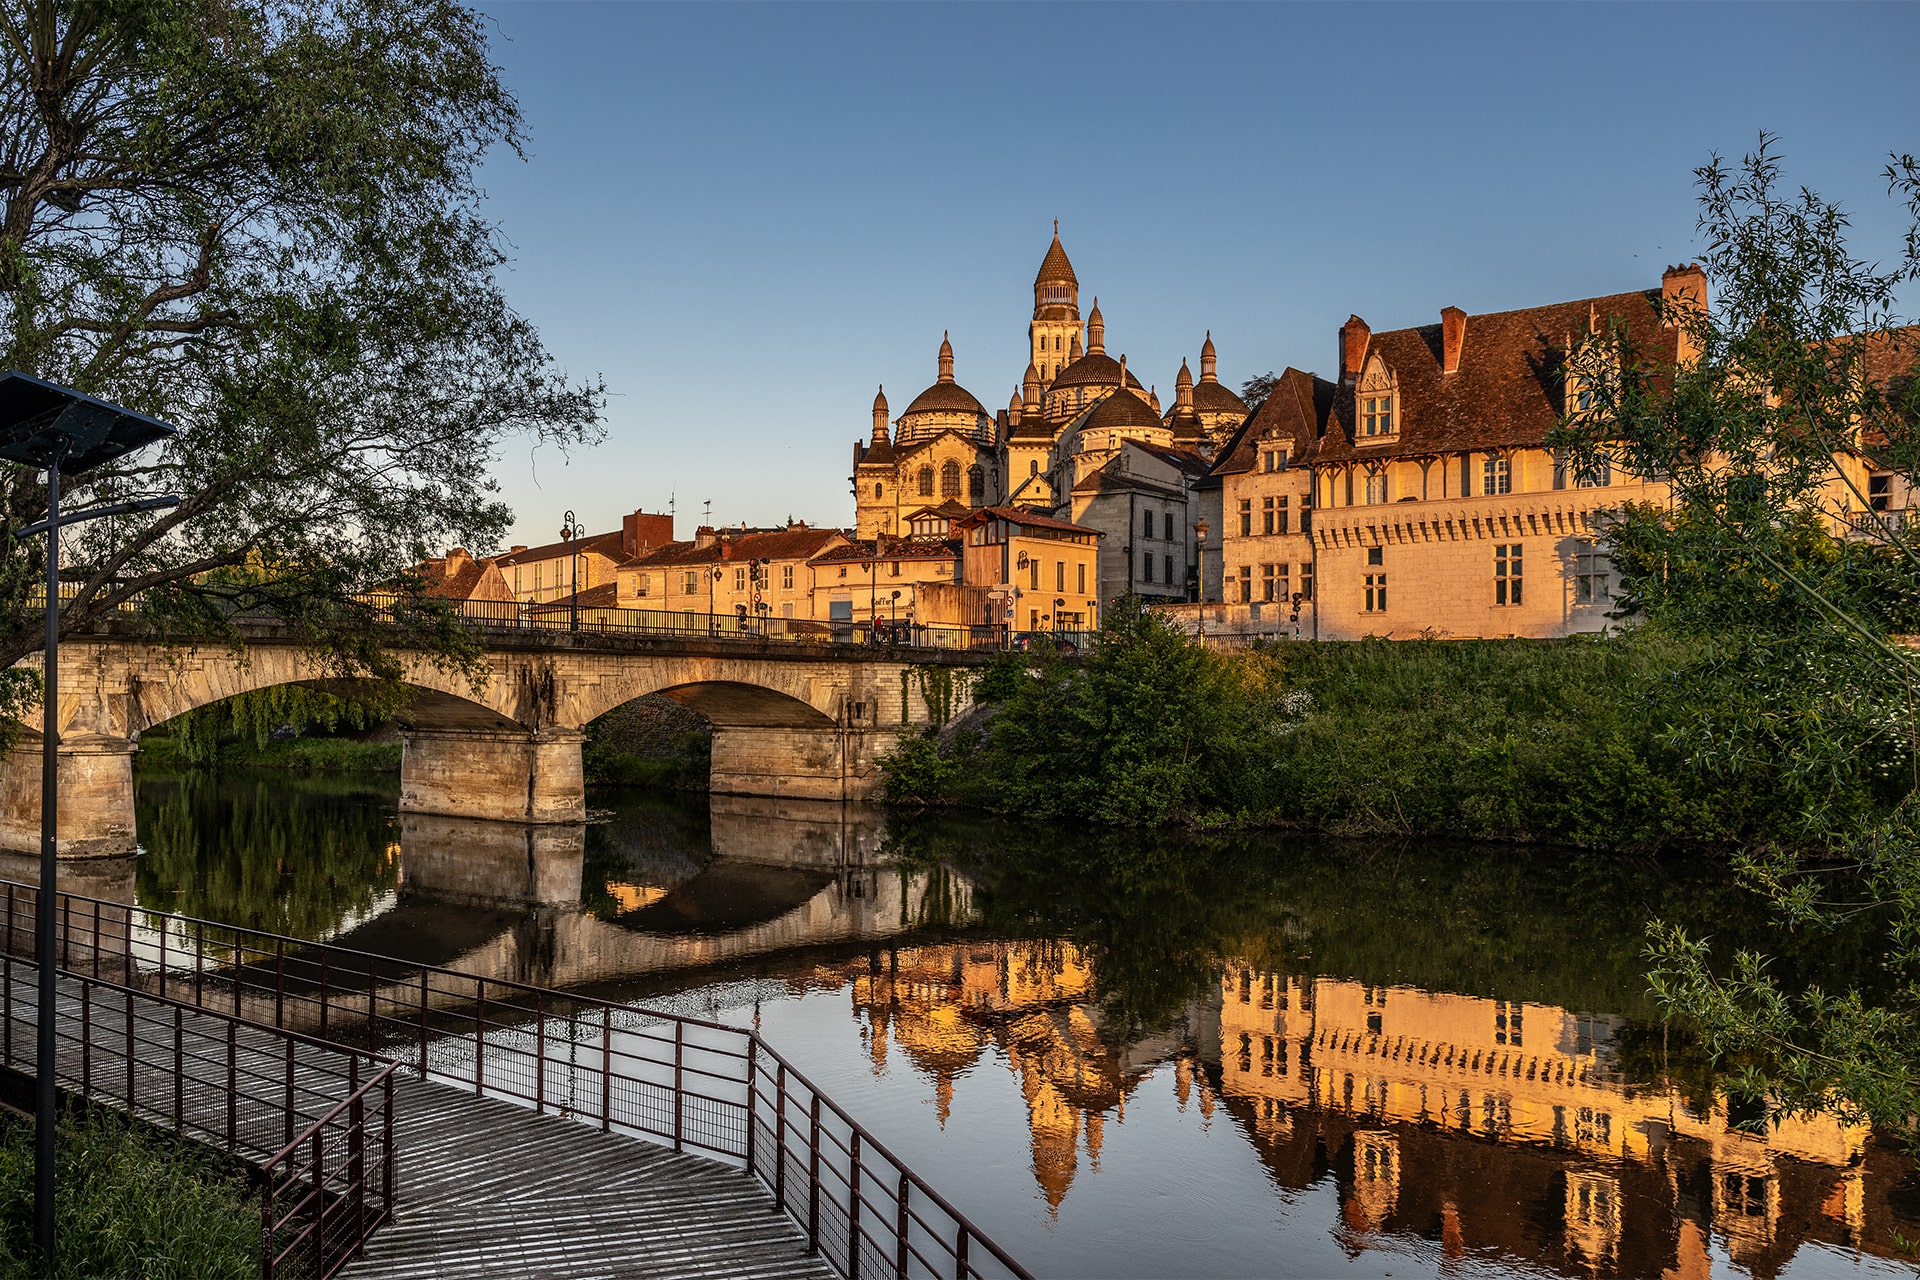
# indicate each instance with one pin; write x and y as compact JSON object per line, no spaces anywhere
{"x":945,"y":397}
{"x":1122,"y":410}
{"x":1210,"y":396}
{"x":1054,"y":268}
{"x":1096,"y":368}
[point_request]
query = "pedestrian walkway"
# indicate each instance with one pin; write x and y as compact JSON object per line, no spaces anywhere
{"x":488,"y":1188}
{"x":479,"y":1186}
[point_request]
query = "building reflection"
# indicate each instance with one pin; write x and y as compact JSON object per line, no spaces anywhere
{"x":1491,"y":1127}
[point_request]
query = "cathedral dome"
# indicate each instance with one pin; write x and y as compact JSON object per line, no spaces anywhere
{"x":944,"y":406}
{"x":1210,"y":397}
{"x":1123,"y":411}
{"x":1054,"y":268}
{"x":1095,"y":369}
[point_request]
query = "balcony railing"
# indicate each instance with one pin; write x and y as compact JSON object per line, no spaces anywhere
{"x":685,"y":1082}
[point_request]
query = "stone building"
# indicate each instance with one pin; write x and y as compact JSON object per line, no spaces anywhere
{"x":738,"y":573}
{"x":1040,"y":573}
{"x":460,"y":577}
{"x":1077,"y":407}
{"x":1257,"y":502}
{"x":557,"y":570}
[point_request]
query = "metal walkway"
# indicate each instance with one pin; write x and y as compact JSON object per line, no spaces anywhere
{"x":488,"y":1188}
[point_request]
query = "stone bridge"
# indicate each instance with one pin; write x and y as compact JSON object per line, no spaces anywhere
{"x":791,"y":720}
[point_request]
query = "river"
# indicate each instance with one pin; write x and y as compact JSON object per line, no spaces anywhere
{"x":1128,"y":1054}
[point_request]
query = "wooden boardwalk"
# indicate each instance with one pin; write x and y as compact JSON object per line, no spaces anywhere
{"x":484,"y":1188}
{"x":491,"y":1189}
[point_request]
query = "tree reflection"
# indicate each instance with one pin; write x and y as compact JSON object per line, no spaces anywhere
{"x":264,"y":853}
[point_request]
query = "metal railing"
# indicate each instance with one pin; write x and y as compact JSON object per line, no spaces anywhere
{"x":685,"y":1082}
{"x":313,"y":1118}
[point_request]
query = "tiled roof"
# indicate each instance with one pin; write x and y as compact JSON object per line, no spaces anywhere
{"x":1507,"y":392}
{"x":611,"y":545}
{"x":778,"y":544}
{"x":1186,"y":460}
{"x":604,"y":596}
{"x":895,"y":549}
{"x":878,"y":453}
{"x":1210,"y":396}
{"x":1120,"y":410}
{"x":1030,"y":519}
{"x":459,"y":586}
{"x":1096,"y":368}
{"x":1110,"y":479}
{"x":945,"y":397}
{"x":1054,"y":268}
{"x":1296,"y":411}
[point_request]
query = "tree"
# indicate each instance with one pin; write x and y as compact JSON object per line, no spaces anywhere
{"x":258,"y":219}
{"x":1798,"y":387}
{"x":1256,"y":389}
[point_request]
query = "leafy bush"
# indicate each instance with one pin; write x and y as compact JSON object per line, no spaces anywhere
{"x":132,"y":1202}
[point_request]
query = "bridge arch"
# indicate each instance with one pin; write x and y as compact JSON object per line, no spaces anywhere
{"x":728,"y":692}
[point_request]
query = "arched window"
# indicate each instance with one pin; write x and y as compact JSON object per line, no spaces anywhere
{"x":977,"y":484}
{"x":949,"y":479}
{"x":877,"y":491}
{"x":926,"y":482}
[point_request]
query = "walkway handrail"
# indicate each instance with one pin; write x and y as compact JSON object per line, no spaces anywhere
{"x":268,"y":1097}
{"x":688,"y":1082}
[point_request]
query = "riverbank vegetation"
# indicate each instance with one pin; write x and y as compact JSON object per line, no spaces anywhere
{"x":288,"y":727}
{"x":132,"y":1202}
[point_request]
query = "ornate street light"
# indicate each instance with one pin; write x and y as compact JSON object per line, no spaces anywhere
{"x":59,"y":431}
{"x":570,"y":534}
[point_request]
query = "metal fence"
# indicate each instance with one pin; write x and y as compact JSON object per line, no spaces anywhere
{"x":315,"y":1119}
{"x":686,"y":1082}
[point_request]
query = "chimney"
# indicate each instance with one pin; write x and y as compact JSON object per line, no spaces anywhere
{"x":1354,"y":336}
{"x":726,"y":546}
{"x":458,"y":558}
{"x":1453,"y":334}
{"x":642,"y":532}
{"x":704,"y":537}
{"x":518,"y":546}
{"x":1683,"y":292}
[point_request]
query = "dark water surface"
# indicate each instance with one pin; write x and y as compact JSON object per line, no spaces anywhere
{"x":1130,"y":1055}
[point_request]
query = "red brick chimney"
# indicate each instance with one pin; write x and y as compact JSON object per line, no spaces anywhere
{"x":1684,"y":290}
{"x":1354,"y":336}
{"x":642,"y":532}
{"x":1453,"y":335}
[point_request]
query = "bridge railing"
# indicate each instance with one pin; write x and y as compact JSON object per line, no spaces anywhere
{"x":314,"y":1118}
{"x":686,"y":1082}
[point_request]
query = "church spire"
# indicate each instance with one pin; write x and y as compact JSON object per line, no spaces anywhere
{"x":946,"y":357}
{"x":880,"y":416}
{"x":1209,"y":361}
{"x":1096,"y":330}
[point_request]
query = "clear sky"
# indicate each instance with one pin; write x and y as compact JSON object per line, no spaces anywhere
{"x":746,"y":217}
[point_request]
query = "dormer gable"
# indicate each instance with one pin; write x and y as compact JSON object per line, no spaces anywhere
{"x":1376,"y":403}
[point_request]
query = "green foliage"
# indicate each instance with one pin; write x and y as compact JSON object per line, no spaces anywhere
{"x":941,"y":688}
{"x":687,"y":768}
{"x":259,"y":220}
{"x":1773,"y":560}
{"x":132,"y":1203}
{"x":254,"y":720}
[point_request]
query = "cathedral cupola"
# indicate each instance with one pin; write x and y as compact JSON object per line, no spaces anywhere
{"x":1055,"y":286}
{"x":1211,"y":399}
{"x":1030,"y":392}
{"x":880,"y":416}
{"x":1075,"y":351}
{"x":946,"y":358}
{"x":1209,"y":360}
{"x":944,"y":406}
{"x":1096,"y":330}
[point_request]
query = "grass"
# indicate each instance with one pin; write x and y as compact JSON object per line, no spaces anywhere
{"x":133,"y":1204}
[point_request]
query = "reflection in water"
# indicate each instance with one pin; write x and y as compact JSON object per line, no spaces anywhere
{"x":1211,"y":1057}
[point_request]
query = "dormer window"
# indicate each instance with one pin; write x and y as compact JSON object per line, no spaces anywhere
{"x":1273,"y":460}
{"x":1378,"y":403}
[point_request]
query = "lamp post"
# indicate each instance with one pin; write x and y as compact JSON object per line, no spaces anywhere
{"x":893,"y":628}
{"x":1200,"y":532}
{"x":570,"y":534}
{"x":713,"y":587}
{"x":59,"y":431}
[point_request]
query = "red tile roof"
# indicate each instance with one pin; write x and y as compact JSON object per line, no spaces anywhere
{"x":902,"y":549}
{"x":1294,"y":413}
{"x":776,"y":544}
{"x":1507,"y":391}
{"x":1028,"y":519}
{"x":612,"y":545}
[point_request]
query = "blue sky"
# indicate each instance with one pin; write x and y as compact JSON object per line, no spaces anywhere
{"x":746,"y":217}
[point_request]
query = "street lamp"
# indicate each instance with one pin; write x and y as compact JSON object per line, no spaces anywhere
{"x":1200,"y":532}
{"x":55,"y":429}
{"x":893,"y":630}
{"x":570,"y":534}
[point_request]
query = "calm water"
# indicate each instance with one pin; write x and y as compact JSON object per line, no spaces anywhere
{"x":1126,"y":1055}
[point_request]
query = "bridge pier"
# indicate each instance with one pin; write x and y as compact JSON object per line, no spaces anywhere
{"x":830,"y":763}
{"x":503,"y":776}
{"x":95,"y":779}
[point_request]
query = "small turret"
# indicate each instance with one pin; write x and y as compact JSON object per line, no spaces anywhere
{"x":946,"y":358}
{"x":1096,"y":330}
{"x":1074,"y":349}
{"x":1030,"y":392}
{"x":1209,"y":360}
{"x":880,"y":416}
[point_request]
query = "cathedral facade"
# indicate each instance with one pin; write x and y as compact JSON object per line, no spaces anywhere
{"x":1065,"y":430}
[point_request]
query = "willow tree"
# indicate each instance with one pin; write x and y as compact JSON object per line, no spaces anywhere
{"x":259,"y":220}
{"x":1787,"y":439}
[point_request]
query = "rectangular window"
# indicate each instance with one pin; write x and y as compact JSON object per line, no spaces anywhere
{"x":1376,"y":599}
{"x":1597,"y":476}
{"x":1246,"y":517}
{"x":1274,"y":460}
{"x":1376,"y":487}
{"x":786,"y":577}
{"x":1466,"y":474}
{"x":690,"y":583}
{"x":740,"y":579}
{"x":1166,"y":526}
{"x":1879,"y":492}
{"x":1376,"y":555}
{"x":1059,"y":575}
{"x":1146,"y":566}
{"x":1279,"y":515}
{"x":1267,"y":582}
{"x":1033,"y":574}
{"x":1166,"y":568}
{"x":1146,"y":524}
{"x":1080,"y":578}
{"x":1506,"y":573}
{"x":1592,"y":570}
{"x":1266,"y":515}
{"x":1376,"y":416}
{"x":1306,"y":581}
{"x":1496,"y":476}
{"x":1246,"y":584}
